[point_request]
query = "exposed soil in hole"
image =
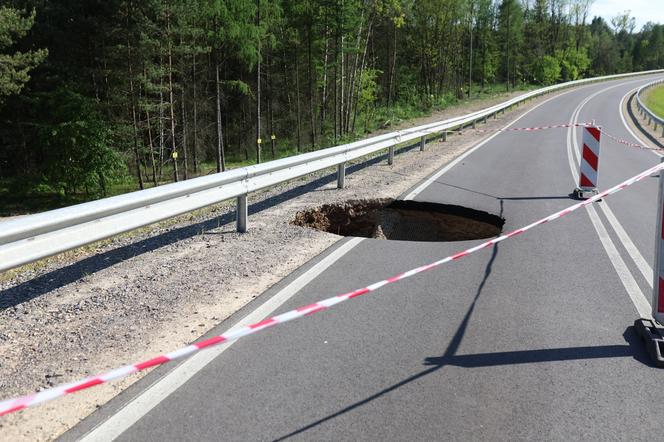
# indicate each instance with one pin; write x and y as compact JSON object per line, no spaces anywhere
{"x":401,"y":220}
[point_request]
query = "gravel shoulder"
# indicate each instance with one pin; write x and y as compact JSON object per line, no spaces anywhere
{"x":159,"y":288}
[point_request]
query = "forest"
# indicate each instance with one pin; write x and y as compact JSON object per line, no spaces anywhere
{"x":102,"y":97}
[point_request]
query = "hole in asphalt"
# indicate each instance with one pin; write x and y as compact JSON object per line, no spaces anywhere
{"x":401,"y":220}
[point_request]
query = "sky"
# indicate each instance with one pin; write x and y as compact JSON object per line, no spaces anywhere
{"x":642,"y":10}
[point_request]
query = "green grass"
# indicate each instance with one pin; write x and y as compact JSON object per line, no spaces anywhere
{"x":18,"y":197}
{"x":655,"y":100}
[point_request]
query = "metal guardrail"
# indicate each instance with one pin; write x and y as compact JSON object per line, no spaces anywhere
{"x":33,"y":237}
{"x":646,"y":113}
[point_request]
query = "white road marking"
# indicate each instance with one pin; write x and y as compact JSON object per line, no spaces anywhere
{"x":633,"y":251}
{"x":133,"y":411}
{"x":629,"y":129}
{"x":456,"y":161}
{"x":633,"y":290}
{"x":630,"y":247}
{"x":631,"y":287}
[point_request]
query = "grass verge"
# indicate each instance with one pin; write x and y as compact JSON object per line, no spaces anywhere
{"x":655,"y":100}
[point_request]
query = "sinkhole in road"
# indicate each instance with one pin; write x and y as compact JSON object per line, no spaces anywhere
{"x":401,"y":220}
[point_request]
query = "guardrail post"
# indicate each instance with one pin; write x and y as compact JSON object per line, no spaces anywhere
{"x":495,"y":115}
{"x":390,"y":157}
{"x":474,"y":123}
{"x":242,"y":214}
{"x":341,"y":175}
{"x":445,"y":135}
{"x":423,"y":141}
{"x":485,"y":119}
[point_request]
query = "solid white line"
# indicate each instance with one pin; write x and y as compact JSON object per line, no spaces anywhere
{"x":629,"y":129}
{"x":117,"y":424}
{"x":628,"y":281}
{"x":456,"y":161}
{"x":631,"y":287}
{"x":630,"y":247}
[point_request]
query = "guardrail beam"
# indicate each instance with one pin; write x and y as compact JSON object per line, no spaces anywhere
{"x":64,"y":229}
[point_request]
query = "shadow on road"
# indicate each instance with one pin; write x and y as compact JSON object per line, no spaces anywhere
{"x":505,"y":198}
{"x":452,"y":348}
{"x":634,"y":348}
{"x":66,"y":275}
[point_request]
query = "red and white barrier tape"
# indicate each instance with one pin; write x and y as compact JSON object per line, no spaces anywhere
{"x":628,"y":143}
{"x":536,"y":128}
{"x":511,"y":129}
{"x":16,"y":404}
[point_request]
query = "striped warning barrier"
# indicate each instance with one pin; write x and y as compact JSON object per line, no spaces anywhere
{"x":16,"y":404}
{"x":589,"y":163}
{"x":658,"y":283}
{"x":651,"y":330}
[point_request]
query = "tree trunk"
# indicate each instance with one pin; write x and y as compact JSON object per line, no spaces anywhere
{"x":258,"y":88}
{"x":221,"y":163}
{"x":162,"y":137}
{"x":323,"y":105}
{"x":152,"y":159}
{"x":336,"y":97}
{"x":310,"y":69}
{"x":364,"y":57}
{"x":195,"y":122}
{"x":341,"y":90}
{"x":171,"y":98}
{"x":470,"y":62}
{"x":270,"y":114}
{"x":185,"y":162}
{"x":508,"y":49}
{"x":297,"y":96}
{"x":393,"y":68}
{"x":353,"y":74}
{"x":132,"y":99}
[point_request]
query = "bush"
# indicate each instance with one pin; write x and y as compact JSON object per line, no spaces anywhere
{"x":550,"y":70}
{"x":76,"y":146}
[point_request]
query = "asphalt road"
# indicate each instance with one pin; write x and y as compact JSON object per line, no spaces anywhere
{"x":530,"y":340}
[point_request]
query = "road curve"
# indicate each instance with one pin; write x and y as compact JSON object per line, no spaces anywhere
{"x":529,"y":340}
